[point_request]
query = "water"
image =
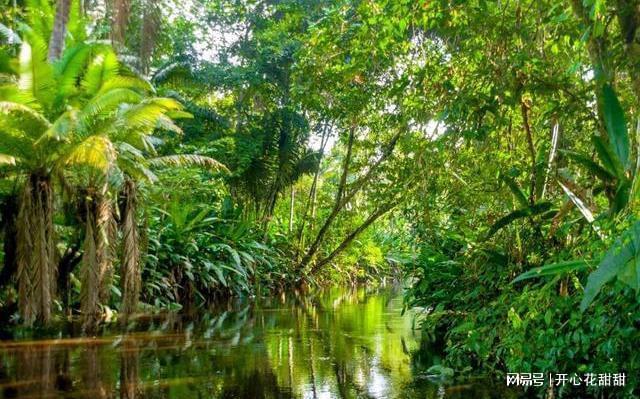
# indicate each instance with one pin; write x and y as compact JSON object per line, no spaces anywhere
{"x":337,"y":343}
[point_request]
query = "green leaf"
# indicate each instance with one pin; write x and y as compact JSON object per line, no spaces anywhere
{"x":625,"y":250}
{"x":607,"y":157}
{"x":616,"y":126}
{"x":188,"y":160}
{"x":220,"y":274}
{"x":621,"y":198}
{"x":536,"y":209}
{"x":552,"y":269}
{"x":36,"y":75}
{"x":584,"y":210}
{"x":592,"y":166}
{"x":515,"y":189}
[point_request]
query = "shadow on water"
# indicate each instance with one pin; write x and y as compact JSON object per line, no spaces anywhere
{"x":336,"y":343}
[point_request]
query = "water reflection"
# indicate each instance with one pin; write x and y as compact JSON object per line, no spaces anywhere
{"x":334,"y":344}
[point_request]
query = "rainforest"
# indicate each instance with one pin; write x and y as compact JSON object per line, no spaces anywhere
{"x":319,"y":198}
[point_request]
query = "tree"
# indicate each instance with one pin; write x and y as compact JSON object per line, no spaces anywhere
{"x":30,"y":148}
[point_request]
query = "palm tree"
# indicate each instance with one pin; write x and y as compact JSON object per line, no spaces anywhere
{"x":110,"y":147}
{"x":32,"y":122}
{"x":60,"y":115}
{"x":137,"y":167}
{"x":87,"y":121}
{"x":120,"y":153}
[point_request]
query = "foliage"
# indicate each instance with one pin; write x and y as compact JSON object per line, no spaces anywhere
{"x":489,"y":150}
{"x":199,"y":250}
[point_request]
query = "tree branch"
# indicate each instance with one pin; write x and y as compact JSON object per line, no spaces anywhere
{"x":349,"y":238}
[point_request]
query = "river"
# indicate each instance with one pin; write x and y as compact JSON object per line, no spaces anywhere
{"x":334,"y":343}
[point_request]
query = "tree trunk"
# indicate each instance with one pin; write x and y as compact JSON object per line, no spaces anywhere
{"x":342,"y":197}
{"x":337,"y":206}
{"x":628,"y":12}
{"x":67,"y":263}
{"x":524,"y":107}
{"x":35,"y":251}
{"x":130,"y":272}
{"x":151,"y":20}
{"x":352,"y":236}
{"x":130,"y":370}
{"x":119,"y":22}
{"x":9,"y":211}
{"x":291,"y":208}
{"x":56,"y":43}
{"x":96,"y":259}
{"x":311,"y":201}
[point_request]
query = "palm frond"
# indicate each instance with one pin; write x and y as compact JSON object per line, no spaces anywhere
{"x":173,"y":71}
{"x":126,"y":82}
{"x":23,"y":113}
{"x":103,"y":67}
{"x":69,"y":68}
{"x":63,"y":127}
{"x":105,"y":103}
{"x":188,"y":160}
{"x":40,"y":17}
{"x":36,"y":75}
{"x":166,"y":123}
{"x":97,"y":152}
{"x":15,"y":143}
{"x":131,"y":162}
{"x":8,"y":36}
{"x":143,"y":116}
